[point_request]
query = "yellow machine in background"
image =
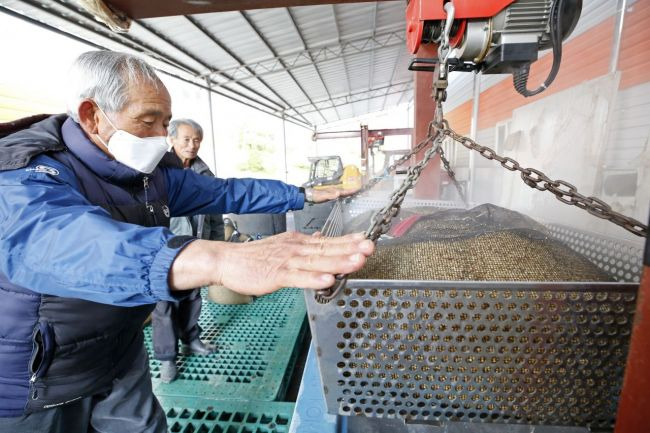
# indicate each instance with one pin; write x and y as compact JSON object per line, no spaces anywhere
{"x":327,"y":171}
{"x":351,"y":178}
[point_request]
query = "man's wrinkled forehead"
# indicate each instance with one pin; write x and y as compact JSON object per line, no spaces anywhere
{"x":187,"y":130}
{"x":147,"y":110}
{"x":150,"y":99}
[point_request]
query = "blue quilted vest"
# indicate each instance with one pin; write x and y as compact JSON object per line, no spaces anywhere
{"x":76,"y":347}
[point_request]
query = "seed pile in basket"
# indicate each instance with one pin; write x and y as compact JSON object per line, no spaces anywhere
{"x":486,"y":243}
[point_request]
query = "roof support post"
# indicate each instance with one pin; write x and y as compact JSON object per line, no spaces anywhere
{"x":284,"y":144}
{"x":428,"y":186}
{"x":621,"y":5}
{"x":214,"y":143}
{"x":364,"y":151}
{"x":473,"y":132}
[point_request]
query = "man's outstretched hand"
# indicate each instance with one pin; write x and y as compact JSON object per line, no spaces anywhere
{"x":261,"y":267}
{"x":323,"y":194}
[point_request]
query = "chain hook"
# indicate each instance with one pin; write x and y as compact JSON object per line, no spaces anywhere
{"x":439,"y":115}
{"x":444,"y":49}
{"x":326,"y":295}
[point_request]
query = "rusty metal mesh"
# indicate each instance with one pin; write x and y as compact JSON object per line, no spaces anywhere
{"x":523,"y":356}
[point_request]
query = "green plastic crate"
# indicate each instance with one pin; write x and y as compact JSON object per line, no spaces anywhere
{"x":257,"y":347}
{"x":198,"y":415}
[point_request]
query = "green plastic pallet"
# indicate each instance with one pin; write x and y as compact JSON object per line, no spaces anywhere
{"x":198,"y":415}
{"x":257,"y":347}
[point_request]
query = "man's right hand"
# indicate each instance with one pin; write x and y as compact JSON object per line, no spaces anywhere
{"x":260,"y":267}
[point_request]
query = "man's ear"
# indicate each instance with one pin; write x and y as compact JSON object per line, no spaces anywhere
{"x":88,"y":117}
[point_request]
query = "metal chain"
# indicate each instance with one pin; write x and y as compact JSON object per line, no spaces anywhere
{"x":375,"y":180}
{"x":438,"y":130}
{"x":444,"y":50}
{"x":452,"y":176}
{"x":439,"y":89}
{"x":380,"y":221}
{"x":563,"y":190}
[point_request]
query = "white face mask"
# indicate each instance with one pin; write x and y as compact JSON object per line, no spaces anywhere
{"x":141,"y":154}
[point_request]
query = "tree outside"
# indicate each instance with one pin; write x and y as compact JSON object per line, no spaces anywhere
{"x":258,"y":150}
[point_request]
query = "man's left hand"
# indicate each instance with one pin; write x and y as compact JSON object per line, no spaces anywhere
{"x":321,"y":195}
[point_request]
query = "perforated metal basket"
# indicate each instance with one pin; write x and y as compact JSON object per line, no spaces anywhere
{"x":514,"y":353}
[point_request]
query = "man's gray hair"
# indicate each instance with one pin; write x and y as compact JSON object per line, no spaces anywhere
{"x":172,"y":129}
{"x":105,"y":76}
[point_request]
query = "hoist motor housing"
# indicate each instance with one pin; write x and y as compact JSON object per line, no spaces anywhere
{"x":493,"y":36}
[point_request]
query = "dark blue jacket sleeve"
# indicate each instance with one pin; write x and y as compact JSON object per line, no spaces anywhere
{"x":192,"y":194}
{"x":53,"y":241}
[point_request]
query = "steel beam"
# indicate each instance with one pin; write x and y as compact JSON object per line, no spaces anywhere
{"x":205,"y":65}
{"x":363,"y":95}
{"x":236,"y":58}
{"x":329,"y":135}
{"x":392,"y":75}
{"x":273,"y":113}
{"x":399,"y":101}
{"x":342,"y":55}
{"x":64,"y":20}
{"x":164,"y":8}
{"x":264,"y":100}
{"x":342,"y":104}
{"x":371,"y":64}
{"x":365,"y":99}
{"x":304,"y":44}
{"x":64,"y":15}
{"x":385,"y":132}
{"x":316,"y":56}
{"x":275,"y":54}
{"x":78,"y":18}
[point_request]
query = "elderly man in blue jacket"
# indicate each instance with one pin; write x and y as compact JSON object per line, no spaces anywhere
{"x":85,"y":251}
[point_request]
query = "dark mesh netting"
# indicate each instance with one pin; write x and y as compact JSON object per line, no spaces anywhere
{"x":486,"y":243}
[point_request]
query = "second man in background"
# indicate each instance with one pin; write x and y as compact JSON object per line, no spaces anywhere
{"x":172,"y":320}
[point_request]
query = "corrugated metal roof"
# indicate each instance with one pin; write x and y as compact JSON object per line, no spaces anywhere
{"x":335,"y":76}
{"x":317,"y":64}
{"x":317,"y":25}
{"x":276,"y":26}
{"x":386,"y":16}
{"x":355,"y":20}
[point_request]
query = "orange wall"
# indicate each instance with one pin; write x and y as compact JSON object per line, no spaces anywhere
{"x":460,"y":118}
{"x":584,"y":58}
